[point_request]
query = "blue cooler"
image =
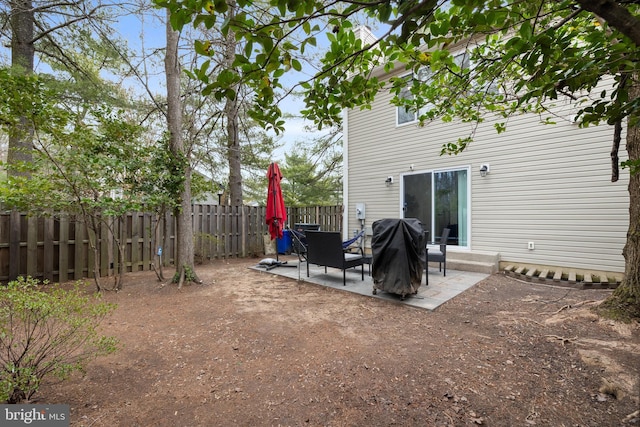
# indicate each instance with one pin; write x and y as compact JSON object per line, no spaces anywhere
{"x":283,"y":245}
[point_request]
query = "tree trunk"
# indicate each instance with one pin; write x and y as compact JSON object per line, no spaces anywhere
{"x":157,"y":243}
{"x":184,"y":234}
{"x":92,"y":230}
{"x":22,"y":60}
{"x":22,"y":27}
{"x":624,"y":303}
{"x":231,"y":111}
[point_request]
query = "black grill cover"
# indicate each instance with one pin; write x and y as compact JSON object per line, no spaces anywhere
{"x":398,"y":255}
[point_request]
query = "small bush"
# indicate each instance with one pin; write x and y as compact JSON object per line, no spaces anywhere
{"x":189,"y":275}
{"x":47,"y":332}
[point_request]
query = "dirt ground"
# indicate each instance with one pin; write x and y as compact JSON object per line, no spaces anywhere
{"x":248,"y":348}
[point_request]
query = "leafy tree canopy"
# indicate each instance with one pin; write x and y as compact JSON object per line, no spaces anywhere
{"x":87,"y":159}
{"x":559,"y":47}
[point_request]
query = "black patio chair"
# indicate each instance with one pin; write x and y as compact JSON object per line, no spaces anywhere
{"x":440,"y":256}
{"x":324,"y":248}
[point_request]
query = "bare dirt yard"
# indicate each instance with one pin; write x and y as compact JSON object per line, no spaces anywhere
{"x":249,"y":348}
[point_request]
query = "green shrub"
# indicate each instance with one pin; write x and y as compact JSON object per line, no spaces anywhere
{"x":189,"y":275}
{"x":47,"y":331}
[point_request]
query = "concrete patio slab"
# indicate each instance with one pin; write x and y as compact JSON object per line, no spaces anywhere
{"x":440,"y":290}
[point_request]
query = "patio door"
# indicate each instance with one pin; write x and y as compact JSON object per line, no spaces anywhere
{"x":439,"y":199}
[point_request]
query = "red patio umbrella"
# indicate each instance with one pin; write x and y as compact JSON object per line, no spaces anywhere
{"x":276,"y":212}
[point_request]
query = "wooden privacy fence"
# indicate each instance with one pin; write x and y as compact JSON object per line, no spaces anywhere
{"x":57,"y":247}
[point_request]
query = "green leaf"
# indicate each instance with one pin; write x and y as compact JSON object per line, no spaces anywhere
{"x":221,"y":6}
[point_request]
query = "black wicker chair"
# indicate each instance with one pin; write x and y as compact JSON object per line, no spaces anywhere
{"x":324,"y":248}
{"x":440,"y":256}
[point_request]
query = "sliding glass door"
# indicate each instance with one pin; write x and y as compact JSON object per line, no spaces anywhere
{"x":440,"y":200}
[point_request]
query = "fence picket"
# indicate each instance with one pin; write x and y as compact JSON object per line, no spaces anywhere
{"x":48,"y":248}
{"x":14,"y":244}
{"x":63,"y":249}
{"x":32,"y":246}
{"x":78,"y":255}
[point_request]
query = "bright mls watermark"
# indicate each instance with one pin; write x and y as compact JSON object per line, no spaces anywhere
{"x":34,"y":415}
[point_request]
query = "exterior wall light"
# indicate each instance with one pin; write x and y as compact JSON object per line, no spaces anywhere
{"x":484,"y":170}
{"x":388,"y":181}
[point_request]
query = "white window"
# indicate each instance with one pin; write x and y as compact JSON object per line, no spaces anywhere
{"x":409,"y":115}
{"x":405,"y":114}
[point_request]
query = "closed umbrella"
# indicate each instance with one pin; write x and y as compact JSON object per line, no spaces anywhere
{"x":276,"y":211}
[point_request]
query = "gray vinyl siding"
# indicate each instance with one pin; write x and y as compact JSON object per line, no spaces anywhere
{"x":548,"y":184}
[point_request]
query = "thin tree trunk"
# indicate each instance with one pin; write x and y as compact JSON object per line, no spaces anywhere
{"x":118,"y":239}
{"x":157,"y":245}
{"x":184,"y":234}
{"x":91,"y":229}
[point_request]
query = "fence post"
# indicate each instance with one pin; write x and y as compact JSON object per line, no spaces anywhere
{"x":79,"y":251}
{"x":243,"y":234}
{"x":63,"y":249}
{"x":47,"y":247}
{"x":147,"y":250}
{"x":32,"y":246}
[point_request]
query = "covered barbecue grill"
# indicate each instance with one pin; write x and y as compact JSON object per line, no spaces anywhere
{"x":398,"y":250}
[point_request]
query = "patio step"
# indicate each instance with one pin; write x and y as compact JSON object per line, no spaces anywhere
{"x":475,"y":261}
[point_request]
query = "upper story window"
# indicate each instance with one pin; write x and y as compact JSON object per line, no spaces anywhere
{"x":407,"y":114}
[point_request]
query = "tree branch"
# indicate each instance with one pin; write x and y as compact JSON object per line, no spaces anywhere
{"x":617,"y":137}
{"x":616,"y":15}
{"x":48,"y":31}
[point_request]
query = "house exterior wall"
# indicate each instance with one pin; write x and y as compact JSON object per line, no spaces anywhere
{"x":548,"y":184}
